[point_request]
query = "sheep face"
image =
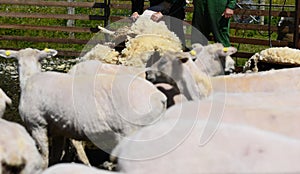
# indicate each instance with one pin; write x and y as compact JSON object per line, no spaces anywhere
{"x":212,"y":59}
{"x":178,"y":69}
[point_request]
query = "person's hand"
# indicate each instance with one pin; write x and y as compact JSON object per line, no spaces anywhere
{"x":228,"y":13}
{"x":135,"y":16}
{"x":157,"y":16}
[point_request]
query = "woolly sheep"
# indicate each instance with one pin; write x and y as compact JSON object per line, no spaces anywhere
{"x":4,"y":100}
{"x":232,"y":148}
{"x":76,"y":169}
{"x":81,"y":107}
{"x":18,"y":153}
{"x":214,"y":59}
{"x":276,"y":55}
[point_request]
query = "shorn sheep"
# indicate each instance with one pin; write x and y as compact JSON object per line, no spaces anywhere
{"x":214,"y":59}
{"x":4,"y":101}
{"x":76,"y":169}
{"x":233,"y":148}
{"x":91,"y":107}
{"x":276,"y":81}
{"x":18,"y":153}
{"x":178,"y":68}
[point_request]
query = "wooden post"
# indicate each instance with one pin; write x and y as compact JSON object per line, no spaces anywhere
{"x":70,"y":22}
{"x":262,"y":7}
{"x":296,"y":31}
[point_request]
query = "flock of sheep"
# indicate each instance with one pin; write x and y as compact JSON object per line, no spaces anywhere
{"x":164,"y":111}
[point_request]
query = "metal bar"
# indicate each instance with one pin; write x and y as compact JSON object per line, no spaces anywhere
{"x":296,"y":24}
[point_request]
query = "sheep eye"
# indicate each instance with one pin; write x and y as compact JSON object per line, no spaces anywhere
{"x":184,"y":60}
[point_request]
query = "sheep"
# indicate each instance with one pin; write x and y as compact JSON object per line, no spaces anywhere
{"x":178,"y":69}
{"x":92,"y":67}
{"x":18,"y":153}
{"x":214,"y":59}
{"x":75,"y":168}
{"x":276,"y":81}
{"x":81,"y":107}
{"x":233,"y":148}
{"x":276,"y":55}
{"x":4,"y":100}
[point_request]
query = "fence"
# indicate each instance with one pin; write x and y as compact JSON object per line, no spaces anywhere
{"x":44,"y":24}
{"x":37,"y":24}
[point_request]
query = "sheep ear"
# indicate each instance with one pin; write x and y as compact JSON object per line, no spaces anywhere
{"x":47,"y":53}
{"x":227,"y":51}
{"x":8,"y":53}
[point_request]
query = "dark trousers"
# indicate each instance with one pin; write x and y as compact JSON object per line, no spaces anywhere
{"x":137,"y":6}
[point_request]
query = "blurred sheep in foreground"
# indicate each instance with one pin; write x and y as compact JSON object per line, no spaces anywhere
{"x":18,"y":153}
{"x":74,"y":168}
{"x":194,"y":146}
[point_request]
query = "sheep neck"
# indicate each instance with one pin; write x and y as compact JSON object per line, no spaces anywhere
{"x":27,"y":67}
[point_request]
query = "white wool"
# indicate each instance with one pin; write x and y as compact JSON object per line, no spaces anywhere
{"x":150,"y":36}
{"x":103,"y":53}
{"x":144,"y":25}
{"x":139,"y":49}
{"x":280,"y":55}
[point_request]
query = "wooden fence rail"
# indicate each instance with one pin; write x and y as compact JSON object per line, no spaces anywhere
{"x":26,"y":26}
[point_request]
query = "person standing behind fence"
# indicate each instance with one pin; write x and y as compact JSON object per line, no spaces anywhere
{"x":173,"y":8}
{"x":137,"y":6}
{"x":213,"y":16}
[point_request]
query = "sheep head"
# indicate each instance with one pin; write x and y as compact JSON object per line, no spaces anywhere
{"x":28,"y":60}
{"x":28,"y":52}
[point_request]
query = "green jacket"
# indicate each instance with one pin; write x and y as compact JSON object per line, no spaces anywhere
{"x":219,"y":6}
{"x":231,"y":4}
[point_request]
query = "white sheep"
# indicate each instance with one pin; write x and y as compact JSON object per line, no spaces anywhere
{"x":275,"y":55}
{"x":4,"y":101}
{"x":180,"y":144}
{"x":276,"y":81}
{"x":18,"y":152}
{"x":92,"y":67}
{"x":81,"y":107}
{"x":214,"y":59}
{"x":177,"y":68}
{"x":75,"y":168}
